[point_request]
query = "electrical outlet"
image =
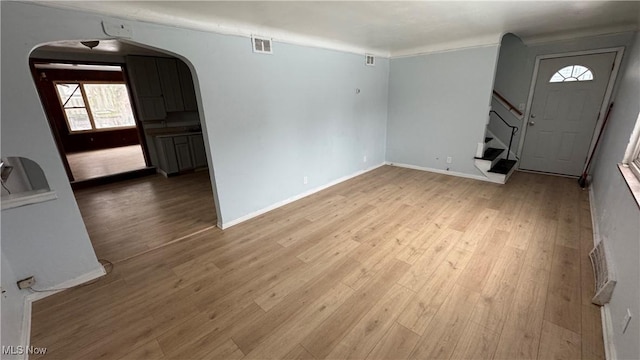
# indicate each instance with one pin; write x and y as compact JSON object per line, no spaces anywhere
{"x":449,"y":159}
{"x":26,"y":283}
{"x":364,"y":159}
{"x":626,"y":321}
{"x":305,"y":180}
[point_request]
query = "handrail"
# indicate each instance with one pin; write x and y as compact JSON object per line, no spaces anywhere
{"x":510,"y":105}
{"x":504,"y":121}
{"x":514,"y":130}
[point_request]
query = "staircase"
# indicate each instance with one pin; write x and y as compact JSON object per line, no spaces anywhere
{"x":493,"y":160}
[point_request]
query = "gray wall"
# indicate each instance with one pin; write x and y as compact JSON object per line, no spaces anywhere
{"x":513,"y":73}
{"x":513,"y":77}
{"x":268,"y":122}
{"x":616,"y":212}
{"x":438,"y":107}
{"x":12,"y":307}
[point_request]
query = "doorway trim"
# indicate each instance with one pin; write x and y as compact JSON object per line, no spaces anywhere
{"x":605,"y":102}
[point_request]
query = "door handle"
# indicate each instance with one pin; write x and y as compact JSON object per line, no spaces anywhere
{"x":531,"y":123}
{"x":533,"y":116}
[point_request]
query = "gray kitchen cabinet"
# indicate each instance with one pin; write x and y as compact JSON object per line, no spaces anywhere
{"x":180,"y":153}
{"x":168,"y":161}
{"x":170,"y":84}
{"x":198,"y":152}
{"x":152,"y":108}
{"x":183,"y":153}
{"x":145,"y":83}
{"x":144,"y":73}
{"x":188,"y":89}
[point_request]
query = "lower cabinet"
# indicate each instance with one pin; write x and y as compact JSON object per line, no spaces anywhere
{"x":180,"y":153}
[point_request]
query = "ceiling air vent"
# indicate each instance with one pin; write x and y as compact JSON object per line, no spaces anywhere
{"x":261,"y":45}
{"x":604,"y":275}
{"x":370,"y":60}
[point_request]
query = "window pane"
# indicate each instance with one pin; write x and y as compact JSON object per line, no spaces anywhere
{"x":109,"y":105}
{"x":586,"y":76}
{"x":578,"y":70}
{"x":72,"y":91}
{"x":78,"y":119}
{"x":566,"y":71}
{"x":556,"y":78}
{"x":572,"y":73}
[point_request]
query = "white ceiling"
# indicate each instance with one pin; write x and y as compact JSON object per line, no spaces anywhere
{"x":385,"y":28}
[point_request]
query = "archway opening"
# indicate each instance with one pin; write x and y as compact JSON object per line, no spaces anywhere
{"x":128,"y":125}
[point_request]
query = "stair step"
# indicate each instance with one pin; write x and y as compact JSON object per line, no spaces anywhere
{"x":503,"y":166}
{"x":491,"y":154}
{"x":487,"y":139}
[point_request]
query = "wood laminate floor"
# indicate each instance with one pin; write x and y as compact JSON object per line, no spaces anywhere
{"x":127,"y":218}
{"x":91,"y":164}
{"x":393,"y":264}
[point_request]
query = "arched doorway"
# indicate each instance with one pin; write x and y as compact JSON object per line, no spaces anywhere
{"x":169,"y":195}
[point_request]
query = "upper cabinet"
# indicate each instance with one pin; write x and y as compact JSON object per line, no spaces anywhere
{"x":188,"y":90}
{"x":170,"y":83}
{"x":144,"y":75}
{"x":161,"y":85}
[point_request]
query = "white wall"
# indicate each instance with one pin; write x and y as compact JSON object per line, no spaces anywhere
{"x":513,"y":73}
{"x":438,"y":107}
{"x":47,"y":240}
{"x":268,"y":122}
{"x":12,"y":307}
{"x":616,"y":212}
{"x":513,"y":77}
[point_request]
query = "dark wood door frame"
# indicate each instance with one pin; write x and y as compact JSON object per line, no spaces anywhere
{"x":48,"y":105}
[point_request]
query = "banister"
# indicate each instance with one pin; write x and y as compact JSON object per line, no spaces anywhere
{"x":514,"y":130}
{"x":510,"y":105}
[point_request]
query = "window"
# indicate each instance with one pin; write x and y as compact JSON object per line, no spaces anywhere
{"x":91,"y":106}
{"x":632,"y":155}
{"x":572,"y":73}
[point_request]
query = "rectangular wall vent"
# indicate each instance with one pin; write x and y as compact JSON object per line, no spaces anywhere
{"x":370,"y":60}
{"x":603,"y":272}
{"x":261,"y":45}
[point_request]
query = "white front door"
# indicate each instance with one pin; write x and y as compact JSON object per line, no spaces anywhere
{"x":566,"y":102}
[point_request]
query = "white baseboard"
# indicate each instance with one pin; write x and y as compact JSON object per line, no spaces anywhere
{"x":440,"y":171}
{"x":607,"y":333}
{"x":228,"y":224}
{"x":605,"y":312}
{"x":25,"y":337}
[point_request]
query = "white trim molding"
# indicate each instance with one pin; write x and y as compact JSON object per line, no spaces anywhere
{"x":440,"y":171}
{"x":228,"y":224}
{"x":605,"y":311}
{"x":25,"y":338}
{"x":27,"y":198}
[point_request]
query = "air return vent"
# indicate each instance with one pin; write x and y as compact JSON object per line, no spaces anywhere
{"x":604,"y":274}
{"x":370,"y":60}
{"x":261,"y":45}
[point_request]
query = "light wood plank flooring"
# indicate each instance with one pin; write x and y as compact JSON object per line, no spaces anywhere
{"x":91,"y":164}
{"x":130,"y":217}
{"x":393,"y":264}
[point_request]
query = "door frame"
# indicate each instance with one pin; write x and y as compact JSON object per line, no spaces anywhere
{"x":605,"y":101}
{"x":33,"y":61}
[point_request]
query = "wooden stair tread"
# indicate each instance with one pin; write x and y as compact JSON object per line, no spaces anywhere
{"x":491,"y":154}
{"x":503,"y":166}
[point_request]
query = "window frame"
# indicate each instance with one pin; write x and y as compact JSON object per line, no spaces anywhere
{"x":577,"y":78}
{"x":632,"y":155}
{"x":87,"y":106}
{"x":630,"y":165}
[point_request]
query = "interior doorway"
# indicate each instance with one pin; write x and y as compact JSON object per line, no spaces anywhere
{"x":567,"y":104}
{"x":91,"y":113}
{"x":139,"y":169}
